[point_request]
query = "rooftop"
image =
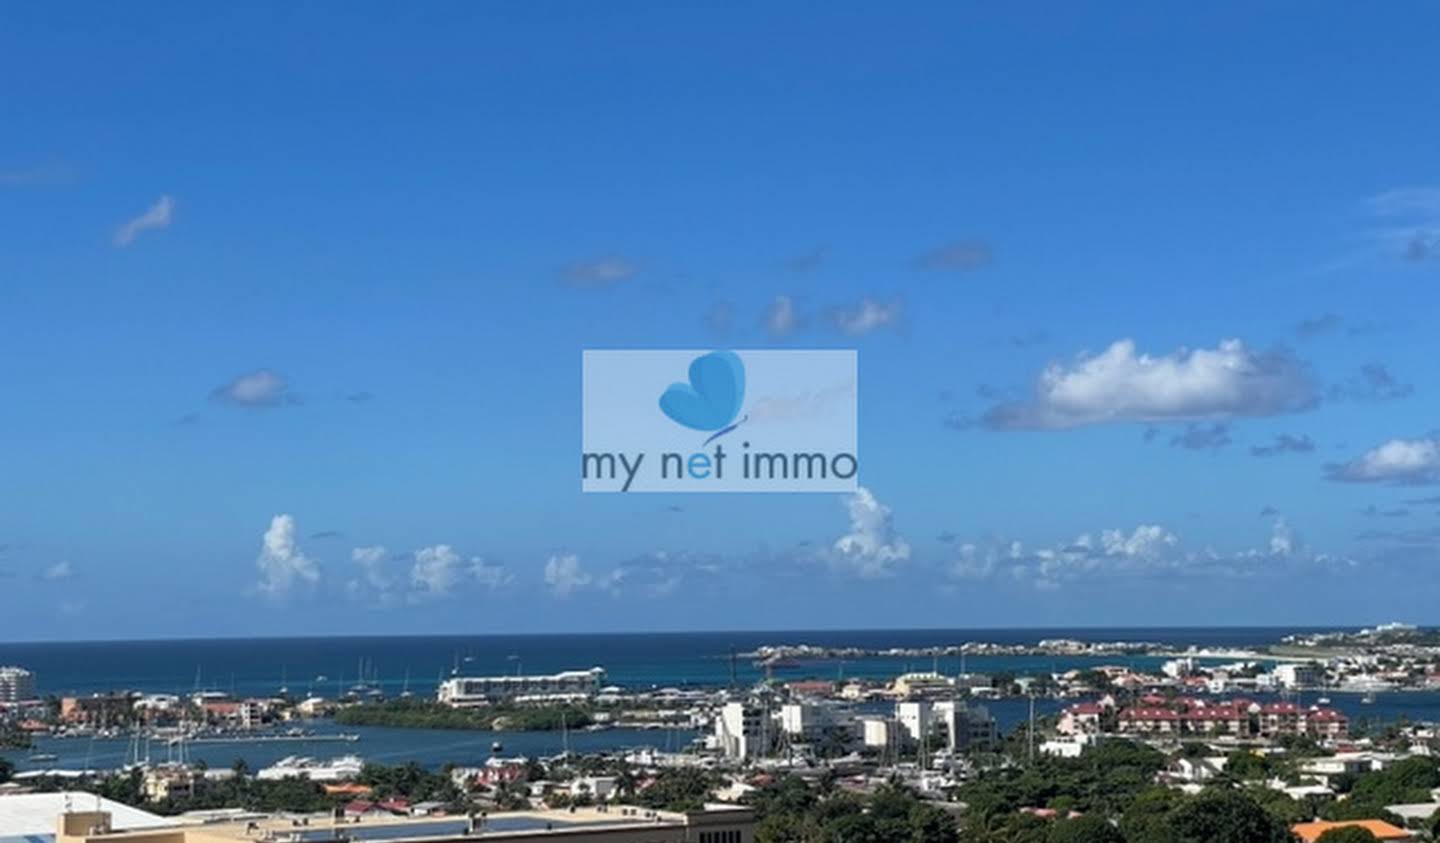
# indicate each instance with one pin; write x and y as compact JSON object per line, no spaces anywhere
{"x":1310,"y":832}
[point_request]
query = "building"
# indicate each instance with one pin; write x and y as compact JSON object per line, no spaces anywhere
{"x":915,"y":720}
{"x":1235,"y":718}
{"x":1381,"y":830}
{"x":99,"y":711}
{"x":966,"y":727}
{"x":1081,"y":719}
{"x":345,"y":768}
{"x":601,"y":824}
{"x":741,"y":731}
{"x":31,"y":817}
{"x":465,"y":691}
{"x":805,"y":721}
{"x":877,"y":732}
{"x":169,"y":781}
{"x":1299,"y":675}
{"x":596,"y":788}
{"x":16,"y":685}
{"x":910,"y":685}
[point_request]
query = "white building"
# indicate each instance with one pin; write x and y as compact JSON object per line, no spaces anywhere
{"x":1068,"y":746}
{"x":805,"y":721}
{"x":1299,"y":675}
{"x":1178,"y":668}
{"x":741,"y":731}
{"x":963,"y":726}
{"x":16,"y":685}
{"x":598,"y":788}
{"x":914,"y":719}
{"x":341,"y":769}
{"x":877,"y":731}
{"x":483,"y":690}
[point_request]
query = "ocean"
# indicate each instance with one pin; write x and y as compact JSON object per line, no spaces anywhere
{"x":327,"y":666}
{"x":635,"y":660}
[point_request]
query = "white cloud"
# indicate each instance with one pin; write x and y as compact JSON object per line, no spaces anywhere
{"x":1396,"y":461}
{"x":1282,"y":541}
{"x":781,"y":318}
{"x":62,"y":570}
{"x":1148,"y":550}
{"x":822,"y":402}
{"x":157,"y":216}
{"x":564,"y":576}
{"x":872,"y":548}
{"x":371,"y":561}
{"x":281,"y":562}
{"x":868,"y":316}
{"x":1120,"y":385}
{"x":599,"y":272}
{"x":439,"y":569}
{"x":260,"y":388}
{"x":1406,"y":201}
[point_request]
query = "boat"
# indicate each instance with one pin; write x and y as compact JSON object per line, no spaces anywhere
{"x":44,"y":756}
{"x":1369,"y":698}
{"x":497,"y":747}
{"x":1323,"y":701}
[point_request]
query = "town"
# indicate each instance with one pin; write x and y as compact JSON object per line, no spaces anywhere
{"x":1261,"y":730}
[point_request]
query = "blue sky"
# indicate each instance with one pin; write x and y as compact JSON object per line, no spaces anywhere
{"x":293,"y":298}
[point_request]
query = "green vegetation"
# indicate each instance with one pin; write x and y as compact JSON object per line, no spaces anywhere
{"x":409,"y":781}
{"x":1106,"y":778}
{"x":13,"y":737}
{"x":790,"y":811}
{"x":1410,"y":780}
{"x":424,"y":714}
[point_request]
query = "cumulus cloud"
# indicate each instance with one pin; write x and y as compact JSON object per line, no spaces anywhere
{"x":282,"y":565}
{"x":1374,"y":382}
{"x":260,"y":388}
{"x":157,"y":216}
{"x":373,"y":576}
{"x":605,"y":271}
{"x":438,"y":570}
{"x":1284,"y":443}
{"x":1121,"y":385}
{"x":564,"y":576}
{"x":657,"y":574}
{"x":1148,"y":550}
{"x":959,"y":256}
{"x":61,"y":570}
{"x":867,"y":316}
{"x":782,"y":317}
{"x":1398,"y":461}
{"x":872,"y":548}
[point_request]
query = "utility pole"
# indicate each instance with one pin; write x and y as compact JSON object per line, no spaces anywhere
{"x":1031,"y":751}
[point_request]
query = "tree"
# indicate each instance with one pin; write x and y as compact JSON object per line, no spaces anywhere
{"x":681,"y":789}
{"x":1347,"y":834}
{"x":1225,"y":816}
{"x":1086,"y":829}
